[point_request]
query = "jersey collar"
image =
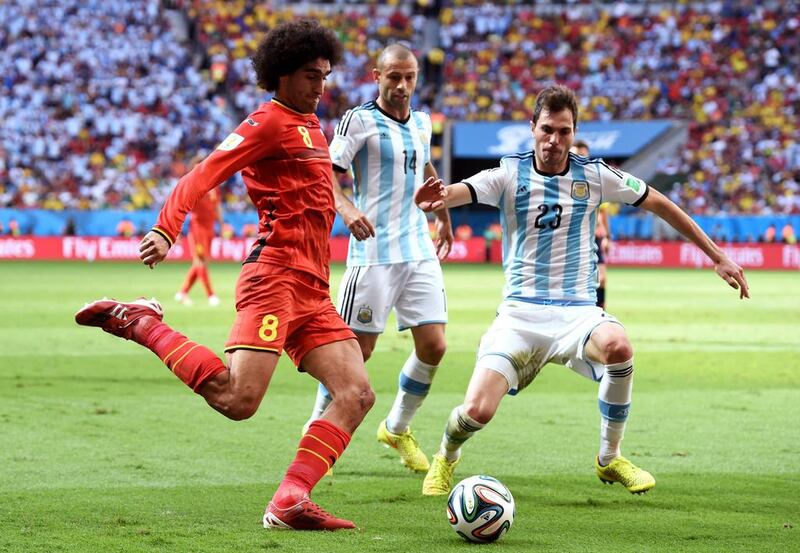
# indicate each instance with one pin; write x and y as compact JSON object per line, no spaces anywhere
{"x":561,"y":174}
{"x":392,"y":117}
{"x":288,"y":107}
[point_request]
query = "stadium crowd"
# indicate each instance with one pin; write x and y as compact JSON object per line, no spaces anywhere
{"x":103,"y":109}
{"x":729,"y":68}
{"x":107,"y":108}
{"x":229,"y":33}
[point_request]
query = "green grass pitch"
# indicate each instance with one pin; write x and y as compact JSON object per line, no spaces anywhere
{"x":102,"y":449}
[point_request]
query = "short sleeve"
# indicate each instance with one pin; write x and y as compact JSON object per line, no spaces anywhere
{"x":426,"y":132}
{"x":619,"y":186}
{"x":348,"y":138}
{"x":488,"y":186}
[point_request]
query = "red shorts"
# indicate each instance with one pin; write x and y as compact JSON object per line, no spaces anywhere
{"x":200,"y":242}
{"x":281,"y":309}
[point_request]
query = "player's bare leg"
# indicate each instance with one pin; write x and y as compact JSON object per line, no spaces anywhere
{"x":234,"y":389}
{"x":366,"y":343}
{"x":238,"y":391}
{"x":609,"y":345}
{"x":340,"y":368}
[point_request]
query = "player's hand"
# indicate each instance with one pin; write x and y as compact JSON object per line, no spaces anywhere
{"x":357,"y":223}
{"x":733,"y":274}
{"x":430,"y":196}
{"x":606,"y":245}
{"x":153,"y":249}
{"x":444,"y":238}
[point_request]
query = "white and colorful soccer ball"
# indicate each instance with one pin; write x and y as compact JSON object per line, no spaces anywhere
{"x":480,"y":509}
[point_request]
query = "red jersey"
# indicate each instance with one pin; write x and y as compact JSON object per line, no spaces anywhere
{"x":204,"y":212}
{"x":286,"y":166}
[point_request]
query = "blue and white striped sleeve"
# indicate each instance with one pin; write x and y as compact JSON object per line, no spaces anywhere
{"x":348,"y":138}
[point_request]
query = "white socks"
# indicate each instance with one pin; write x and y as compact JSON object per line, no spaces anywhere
{"x":415,"y":382}
{"x":460,"y":428}
{"x":614,"y":401}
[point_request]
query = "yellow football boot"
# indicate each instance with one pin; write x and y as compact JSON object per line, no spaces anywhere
{"x":439,"y":479}
{"x":406,"y":445}
{"x":621,"y":470}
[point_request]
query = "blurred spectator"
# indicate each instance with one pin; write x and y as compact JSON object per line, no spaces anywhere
{"x":226,"y":231}
{"x":770,"y":234}
{"x":249,"y":230}
{"x":493,"y":232}
{"x":69,"y":227}
{"x":788,"y":235}
{"x":126,"y":228}
{"x":463,"y":232}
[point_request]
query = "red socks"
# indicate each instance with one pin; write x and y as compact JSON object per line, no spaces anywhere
{"x":188,"y":282}
{"x":202,"y":274}
{"x":193,"y":363}
{"x":317,"y":452}
{"x":195,"y":272}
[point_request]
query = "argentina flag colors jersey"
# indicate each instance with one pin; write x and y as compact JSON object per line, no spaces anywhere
{"x":388,"y":158}
{"x":549,"y":251}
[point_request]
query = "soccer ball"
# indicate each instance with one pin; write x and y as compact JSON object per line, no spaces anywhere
{"x":480,"y":509}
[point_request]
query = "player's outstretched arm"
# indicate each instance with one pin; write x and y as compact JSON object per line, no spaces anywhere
{"x":728,"y":271}
{"x":433,"y":195}
{"x":153,"y":249}
{"x":356,"y":222}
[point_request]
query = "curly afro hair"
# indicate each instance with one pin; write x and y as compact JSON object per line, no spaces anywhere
{"x":289,"y":46}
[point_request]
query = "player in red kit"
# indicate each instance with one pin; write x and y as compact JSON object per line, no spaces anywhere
{"x":206,"y":212}
{"x":282,"y":296}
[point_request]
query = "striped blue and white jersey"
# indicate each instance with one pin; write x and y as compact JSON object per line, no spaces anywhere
{"x":549,"y":251}
{"x":388,"y":159}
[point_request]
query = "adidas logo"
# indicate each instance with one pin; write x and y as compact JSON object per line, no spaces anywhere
{"x":120,"y":312}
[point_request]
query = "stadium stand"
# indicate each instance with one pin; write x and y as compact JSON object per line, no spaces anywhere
{"x":102,"y":109}
{"x":106,"y":109}
{"x":729,"y":68}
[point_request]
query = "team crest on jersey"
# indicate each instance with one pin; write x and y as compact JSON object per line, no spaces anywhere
{"x":230,"y":142}
{"x":364,"y":315}
{"x":252,"y":122}
{"x":337,"y":146}
{"x":580,"y":190}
